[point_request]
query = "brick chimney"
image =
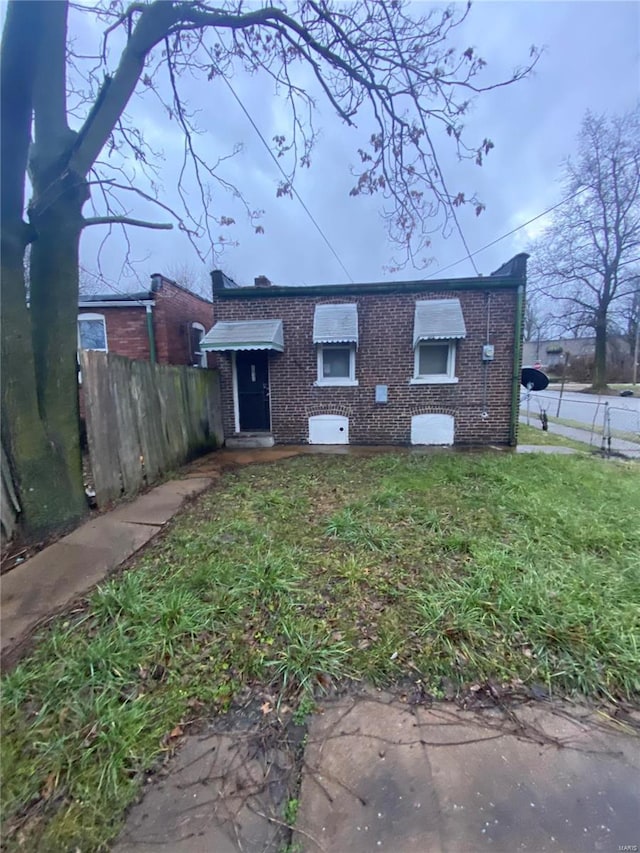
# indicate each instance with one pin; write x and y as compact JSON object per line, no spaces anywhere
{"x":262,"y":281}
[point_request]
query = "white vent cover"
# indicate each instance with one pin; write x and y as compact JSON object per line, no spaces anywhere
{"x":328,"y":429}
{"x":432,"y":429}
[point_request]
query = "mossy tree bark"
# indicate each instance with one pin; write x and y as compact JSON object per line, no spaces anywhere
{"x":37,"y":467}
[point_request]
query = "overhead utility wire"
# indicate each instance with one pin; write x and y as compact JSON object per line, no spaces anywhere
{"x":509,"y":233}
{"x":284,"y":175}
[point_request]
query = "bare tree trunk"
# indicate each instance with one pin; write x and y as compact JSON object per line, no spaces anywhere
{"x":600,"y":362}
{"x":38,"y":471}
{"x":54,"y":308}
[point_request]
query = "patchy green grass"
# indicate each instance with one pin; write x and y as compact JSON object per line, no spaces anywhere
{"x":458,"y":566}
{"x":536,"y":435}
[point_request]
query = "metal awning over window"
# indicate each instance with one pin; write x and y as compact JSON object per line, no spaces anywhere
{"x":244,"y":335}
{"x":335,"y":324}
{"x":438,"y":320}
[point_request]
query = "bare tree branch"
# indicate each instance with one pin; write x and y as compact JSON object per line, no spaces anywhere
{"x":126,"y":220}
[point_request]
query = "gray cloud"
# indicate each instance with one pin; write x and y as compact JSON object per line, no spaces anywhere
{"x":590,"y":62}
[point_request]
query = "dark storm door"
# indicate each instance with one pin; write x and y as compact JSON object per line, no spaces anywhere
{"x":252,"y":373}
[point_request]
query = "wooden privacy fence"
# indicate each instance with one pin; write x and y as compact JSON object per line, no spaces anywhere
{"x":145,"y":419}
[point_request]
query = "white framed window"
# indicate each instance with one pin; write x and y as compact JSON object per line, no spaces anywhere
{"x":435,"y":363}
{"x":196,"y":334}
{"x":92,"y":332}
{"x":337,"y":364}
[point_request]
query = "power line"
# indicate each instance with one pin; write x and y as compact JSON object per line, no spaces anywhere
{"x":284,"y":175}
{"x":509,"y":233}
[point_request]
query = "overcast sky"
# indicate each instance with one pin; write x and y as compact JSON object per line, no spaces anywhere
{"x":590,"y":61}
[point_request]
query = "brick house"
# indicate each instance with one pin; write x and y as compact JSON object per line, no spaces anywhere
{"x":164,"y":324}
{"x":416,"y":362}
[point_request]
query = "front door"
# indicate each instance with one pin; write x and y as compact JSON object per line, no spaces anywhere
{"x":252,"y":376}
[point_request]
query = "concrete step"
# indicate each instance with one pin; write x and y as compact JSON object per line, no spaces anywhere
{"x":240,"y":440}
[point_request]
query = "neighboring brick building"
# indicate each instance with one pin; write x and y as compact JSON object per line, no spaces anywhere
{"x":164,"y":324}
{"x":420,"y":362}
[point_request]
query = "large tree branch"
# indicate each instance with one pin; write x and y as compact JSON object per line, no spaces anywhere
{"x":114,"y":96}
{"x":21,"y":33}
{"x":155,"y":23}
{"x":50,"y":93}
{"x":126,"y":220}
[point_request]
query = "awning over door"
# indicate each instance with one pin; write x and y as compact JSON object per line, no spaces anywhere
{"x":335,"y":324}
{"x":244,"y":335}
{"x":438,"y":319}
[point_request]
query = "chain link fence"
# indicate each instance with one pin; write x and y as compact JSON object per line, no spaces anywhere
{"x":608,"y":424}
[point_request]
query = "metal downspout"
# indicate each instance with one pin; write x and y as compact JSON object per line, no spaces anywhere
{"x":517,"y":359}
{"x":151,"y":334}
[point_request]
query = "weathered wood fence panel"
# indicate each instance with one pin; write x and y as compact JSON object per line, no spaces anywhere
{"x":148,"y":418}
{"x":102,"y":426}
{"x":145,"y":419}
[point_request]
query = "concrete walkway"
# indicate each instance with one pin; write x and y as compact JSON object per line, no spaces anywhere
{"x":409,"y":780}
{"x":380,"y":774}
{"x":48,"y":582}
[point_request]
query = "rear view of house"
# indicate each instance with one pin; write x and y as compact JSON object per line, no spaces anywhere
{"x":416,"y":362}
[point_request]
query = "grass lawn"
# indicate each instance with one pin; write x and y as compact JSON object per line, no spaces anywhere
{"x":461,"y":567}
{"x":536,"y":435}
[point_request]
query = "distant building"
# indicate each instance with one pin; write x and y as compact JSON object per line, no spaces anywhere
{"x":163,"y":324}
{"x":551,"y":353}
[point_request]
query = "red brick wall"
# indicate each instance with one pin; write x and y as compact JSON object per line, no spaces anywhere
{"x":126,"y":331}
{"x":385,"y":356}
{"x":174,"y":311}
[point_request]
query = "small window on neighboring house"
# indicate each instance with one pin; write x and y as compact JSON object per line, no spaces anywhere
{"x":92,"y":332}
{"x":198,"y":356}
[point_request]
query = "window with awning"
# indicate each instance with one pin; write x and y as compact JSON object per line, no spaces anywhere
{"x":335,"y":324}
{"x":438,"y":320}
{"x":335,"y":332}
{"x":438,"y":324}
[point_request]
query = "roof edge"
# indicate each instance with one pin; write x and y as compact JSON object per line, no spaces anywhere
{"x":479,"y":284}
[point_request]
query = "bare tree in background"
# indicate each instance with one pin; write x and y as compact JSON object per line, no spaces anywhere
{"x":537,"y":322}
{"x":589,"y":259}
{"x":389,"y":66}
{"x":193,"y":278}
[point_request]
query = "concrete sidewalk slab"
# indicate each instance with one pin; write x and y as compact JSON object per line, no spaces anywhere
{"x":383,"y":776}
{"x":223,"y":792}
{"x":68,"y":569}
{"x":161,"y":503}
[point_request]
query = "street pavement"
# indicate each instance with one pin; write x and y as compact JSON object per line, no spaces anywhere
{"x":586,"y":408}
